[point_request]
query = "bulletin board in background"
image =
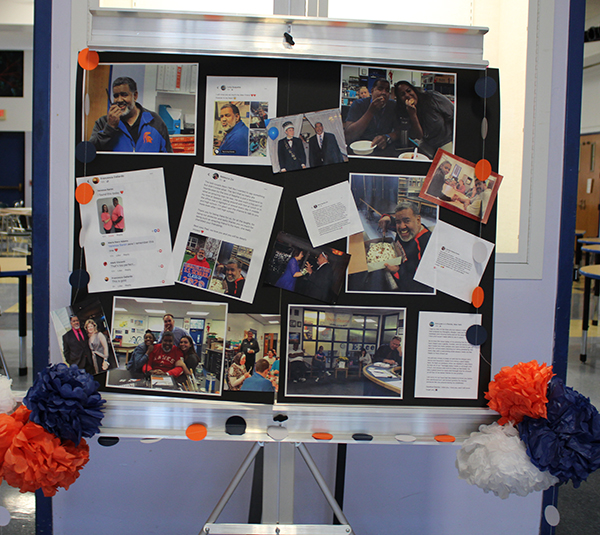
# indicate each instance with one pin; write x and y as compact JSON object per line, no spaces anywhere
{"x":307,"y":86}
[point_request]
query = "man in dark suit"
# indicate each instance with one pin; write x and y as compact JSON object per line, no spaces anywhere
{"x":76,"y":348}
{"x":323,"y":148}
{"x":320,"y":280}
{"x":290,"y":150}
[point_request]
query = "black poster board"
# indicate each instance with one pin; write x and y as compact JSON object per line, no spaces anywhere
{"x":305,"y":86}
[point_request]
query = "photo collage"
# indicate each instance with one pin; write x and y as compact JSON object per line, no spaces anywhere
{"x":290,"y":255}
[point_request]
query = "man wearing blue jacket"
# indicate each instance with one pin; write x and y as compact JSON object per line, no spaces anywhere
{"x":128,"y":127}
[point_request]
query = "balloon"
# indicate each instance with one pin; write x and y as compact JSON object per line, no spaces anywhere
{"x":273,"y":132}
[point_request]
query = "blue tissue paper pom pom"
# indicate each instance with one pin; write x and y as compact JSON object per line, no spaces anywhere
{"x":65,"y":401}
{"x":567,"y":441}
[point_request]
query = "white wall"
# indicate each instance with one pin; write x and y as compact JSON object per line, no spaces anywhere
{"x":389,"y":489}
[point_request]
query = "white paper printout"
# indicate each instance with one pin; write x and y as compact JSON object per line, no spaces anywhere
{"x":238,"y":134}
{"x":454,"y":262}
{"x":230,"y":218}
{"x":447,"y":364}
{"x":125,"y":231}
{"x":330,"y":214}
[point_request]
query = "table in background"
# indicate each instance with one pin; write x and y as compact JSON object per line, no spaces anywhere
{"x":17,"y":267}
{"x":590,"y":273}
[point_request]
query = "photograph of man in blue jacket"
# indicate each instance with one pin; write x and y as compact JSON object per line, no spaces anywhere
{"x":235,"y":142}
{"x":128,"y":127}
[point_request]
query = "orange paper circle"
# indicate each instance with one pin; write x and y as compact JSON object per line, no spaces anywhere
{"x":84,"y":193}
{"x":483,"y":169}
{"x":88,"y":59}
{"x":477,"y":297}
{"x":196,"y":432}
{"x":445,"y":438}
{"x":322,"y":436}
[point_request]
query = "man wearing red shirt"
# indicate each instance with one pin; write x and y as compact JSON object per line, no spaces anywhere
{"x":165,"y":358}
{"x":199,"y":259}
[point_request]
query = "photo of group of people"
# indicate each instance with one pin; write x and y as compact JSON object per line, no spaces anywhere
{"x":215,"y":265}
{"x":112,"y":215}
{"x":168,"y":345}
{"x":307,"y":140}
{"x":82,"y":332}
{"x":240,"y":128}
{"x":345,"y":352}
{"x":453,"y":184}
{"x":138,"y":108}
{"x":295,"y":265}
{"x":397,"y":227}
{"x":402,"y":113}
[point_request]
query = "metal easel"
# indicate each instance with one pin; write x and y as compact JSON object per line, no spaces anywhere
{"x":278,"y":514}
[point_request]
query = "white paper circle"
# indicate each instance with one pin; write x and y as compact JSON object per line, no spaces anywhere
{"x":150,"y":440}
{"x":479,"y":252}
{"x":4,"y":516}
{"x":552,"y":515}
{"x":405,"y":438}
{"x":277,"y":432}
{"x":484,"y":128}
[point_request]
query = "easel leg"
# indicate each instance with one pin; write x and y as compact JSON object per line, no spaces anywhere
{"x":234,"y":483}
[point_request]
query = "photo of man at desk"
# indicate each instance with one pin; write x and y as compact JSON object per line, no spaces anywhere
{"x":327,"y":351}
{"x":397,"y":227}
{"x":179,"y":350}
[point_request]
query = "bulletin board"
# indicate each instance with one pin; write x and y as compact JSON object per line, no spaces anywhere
{"x":309,"y":86}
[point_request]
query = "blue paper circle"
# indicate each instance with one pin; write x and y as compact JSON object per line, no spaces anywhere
{"x":79,"y":278}
{"x":267,"y":121}
{"x":273,"y":132}
{"x":85,"y":152}
{"x":485,"y":87}
{"x":362,"y":436}
{"x":108,"y":441}
{"x":476,"y":335}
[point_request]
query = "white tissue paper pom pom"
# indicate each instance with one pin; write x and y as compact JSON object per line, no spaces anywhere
{"x":7,"y":400}
{"x":495,"y":459}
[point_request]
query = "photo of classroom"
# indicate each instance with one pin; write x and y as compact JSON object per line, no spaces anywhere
{"x":251,"y":338}
{"x":190,"y":360}
{"x":345,"y":352}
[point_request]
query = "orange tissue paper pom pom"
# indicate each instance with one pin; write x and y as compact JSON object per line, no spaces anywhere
{"x":36,"y":459}
{"x":520,"y":391}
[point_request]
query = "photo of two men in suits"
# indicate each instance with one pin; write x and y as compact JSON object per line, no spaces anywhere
{"x":309,"y":140}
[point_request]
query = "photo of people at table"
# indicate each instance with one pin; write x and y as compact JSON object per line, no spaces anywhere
{"x":397,"y":227}
{"x":397,"y":113}
{"x":307,"y":140}
{"x":453,"y":184}
{"x":295,"y":265}
{"x":140,"y":108}
{"x":169,"y":345}
{"x":345,"y":352}
{"x":112,"y":215}
{"x":251,"y":353}
{"x":82,"y":333}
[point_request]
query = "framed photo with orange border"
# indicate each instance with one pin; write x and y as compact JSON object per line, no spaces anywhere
{"x":451,"y":183}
